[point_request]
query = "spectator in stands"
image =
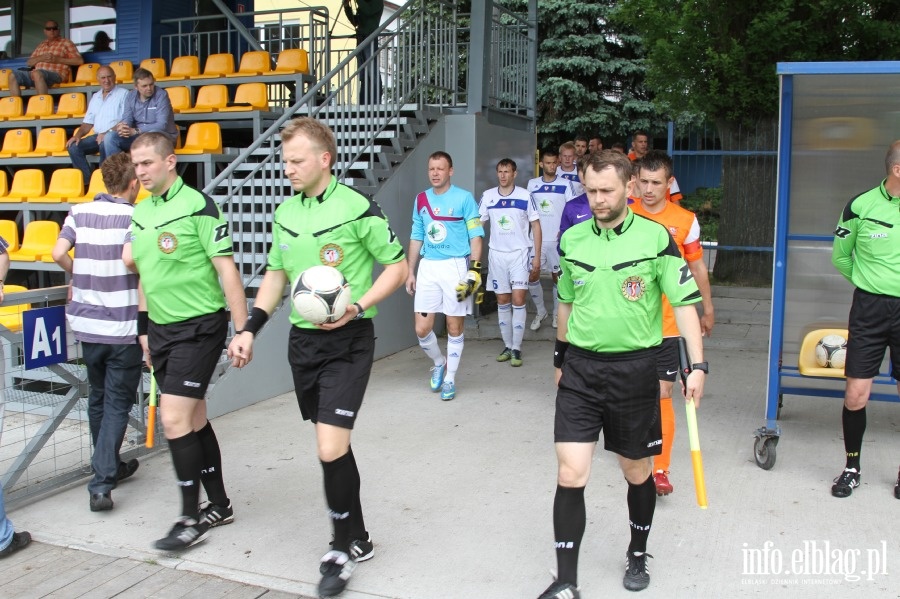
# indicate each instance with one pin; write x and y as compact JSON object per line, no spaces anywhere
{"x":102,"y":42}
{"x":365,"y":20}
{"x":103,"y":114}
{"x":103,"y":316}
{"x":50,"y":64}
{"x":10,"y":540}
{"x":146,"y":108}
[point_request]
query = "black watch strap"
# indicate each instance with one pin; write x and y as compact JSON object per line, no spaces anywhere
{"x":360,"y":312}
{"x":704,"y":366}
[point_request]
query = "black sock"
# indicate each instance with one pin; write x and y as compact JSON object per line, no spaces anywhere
{"x":187,"y":457}
{"x":641,"y":505}
{"x":357,"y":522}
{"x":211,"y":474}
{"x":341,"y":495}
{"x":568,"y":528}
{"x":854,"y":422}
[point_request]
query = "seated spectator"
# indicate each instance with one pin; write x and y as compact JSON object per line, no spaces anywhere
{"x":102,"y":42}
{"x":146,"y":108}
{"x":103,"y":113}
{"x":50,"y":64}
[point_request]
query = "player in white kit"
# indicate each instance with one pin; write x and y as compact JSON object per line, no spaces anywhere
{"x":568,"y":155}
{"x":550,"y":193}
{"x":511,"y":263}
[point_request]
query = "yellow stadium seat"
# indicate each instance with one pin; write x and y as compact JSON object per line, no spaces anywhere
{"x":183,"y":67}
{"x":202,"y":138}
{"x":249,"y":96}
{"x":38,"y":107}
{"x":9,"y":231}
{"x":4,"y":184}
{"x":210,"y":98}
{"x":257,"y":62}
{"x":51,"y":141}
{"x":16,"y":141}
{"x":157,"y":66}
{"x":124,"y":70}
{"x":142,"y":195}
{"x":38,"y":241}
{"x":4,"y":78}
{"x":95,"y":186}
{"x":217,"y":65}
{"x":27,"y":183}
{"x":65,"y":184}
{"x":71,"y":105}
{"x":180,"y":97}
{"x":807,"y":364}
{"x":11,"y":315}
{"x":293,"y":60}
{"x":86,"y":75}
{"x":10,"y":106}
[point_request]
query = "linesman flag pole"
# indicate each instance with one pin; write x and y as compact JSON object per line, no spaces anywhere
{"x":693,"y":433}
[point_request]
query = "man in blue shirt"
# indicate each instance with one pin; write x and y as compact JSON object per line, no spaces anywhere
{"x":447,"y":233}
{"x":104,"y":111}
{"x":146,"y":108}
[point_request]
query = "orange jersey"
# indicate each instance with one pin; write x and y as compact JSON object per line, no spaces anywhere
{"x":685,"y":230}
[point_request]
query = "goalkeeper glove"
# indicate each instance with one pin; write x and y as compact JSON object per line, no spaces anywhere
{"x":471,"y":283}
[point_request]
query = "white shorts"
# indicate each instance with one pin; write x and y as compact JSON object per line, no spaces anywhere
{"x":436,"y":284}
{"x":508,"y":270}
{"x":549,"y":258}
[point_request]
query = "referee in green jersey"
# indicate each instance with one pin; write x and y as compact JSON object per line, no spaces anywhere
{"x":866,"y":251}
{"x":180,"y":245}
{"x":615,"y":268}
{"x":328,"y":223}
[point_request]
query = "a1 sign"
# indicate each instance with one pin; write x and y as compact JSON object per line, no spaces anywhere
{"x":44,"y":336}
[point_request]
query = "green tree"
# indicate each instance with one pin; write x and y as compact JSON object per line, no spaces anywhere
{"x":590,"y":73}
{"x":718,"y":57}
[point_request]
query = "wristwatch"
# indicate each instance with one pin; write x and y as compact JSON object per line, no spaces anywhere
{"x":704,"y":366}
{"x":360,"y":313}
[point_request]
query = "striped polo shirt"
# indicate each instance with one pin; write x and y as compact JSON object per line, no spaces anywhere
{"x":104,"y":292}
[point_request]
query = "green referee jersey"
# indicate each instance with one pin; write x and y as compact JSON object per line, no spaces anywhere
{"x":866,"y":248}
{"x":173,"y":239}
{"x":339,"y":228}
{"x":615,"y":278}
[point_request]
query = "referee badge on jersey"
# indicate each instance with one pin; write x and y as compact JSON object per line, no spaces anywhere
{"x":331,"y":254}
{"x":167,"y":242}
{"x":633,"y":288}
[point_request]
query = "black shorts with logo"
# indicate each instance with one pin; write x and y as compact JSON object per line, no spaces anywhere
{"x":185,"y":354}
{"x":874,"y":326}
{"x":331,"y":370}
{"x":667,"y":360}
{"x":615,"y":393}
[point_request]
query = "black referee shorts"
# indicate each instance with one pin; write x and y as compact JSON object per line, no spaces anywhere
{"x":874,"y":326}
{"x":667,"y":360}
{"x":185,"y":354}
{"x":331,"y":370}
{"x":615,"y":393}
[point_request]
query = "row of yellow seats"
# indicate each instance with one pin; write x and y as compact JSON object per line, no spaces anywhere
{"x":37,"y":242}
{"x":253,"y":63}
{"x":71,"y":105}
{"x":66,"y":185}
{"x":202,"y":138}
{"x":215,"y":98}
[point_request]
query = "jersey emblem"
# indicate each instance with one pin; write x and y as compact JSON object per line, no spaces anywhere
{"x":331,"y":254}
{"x":545,"y":206}
{"x":167,"y":242}
{"x":450,"y":212}
{"x":436,"y":210}
{"x":673,"y":231}
{"x":437,"y":232}
{"x":505,"y":222}
{"x":633,"y":288}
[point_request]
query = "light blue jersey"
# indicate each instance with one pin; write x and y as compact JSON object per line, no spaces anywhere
{"x":444,"y":223}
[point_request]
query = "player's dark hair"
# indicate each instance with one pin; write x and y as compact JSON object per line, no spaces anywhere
{"x":549,"y":152}
{"x":655,"y":160}
{"x":160,"y":143}
{"x":583,"y":162}
{"x":641,"y":132}
{"x":441,"y":154}
{"x":508,"y":162}
{"x":610,"y":159}
{"x":318,"y":133}
{"x":581,"y":138}
{"x":118,"y":173}
{"x":618,"y":146}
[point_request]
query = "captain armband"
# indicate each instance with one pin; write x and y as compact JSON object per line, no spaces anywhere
{"x":559,"y":353}
{"x":255,"y":321}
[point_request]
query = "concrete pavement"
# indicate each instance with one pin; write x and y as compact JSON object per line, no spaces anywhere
{"x":458,"y":496}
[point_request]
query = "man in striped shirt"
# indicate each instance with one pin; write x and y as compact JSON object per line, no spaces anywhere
{"x":103,"y":317}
